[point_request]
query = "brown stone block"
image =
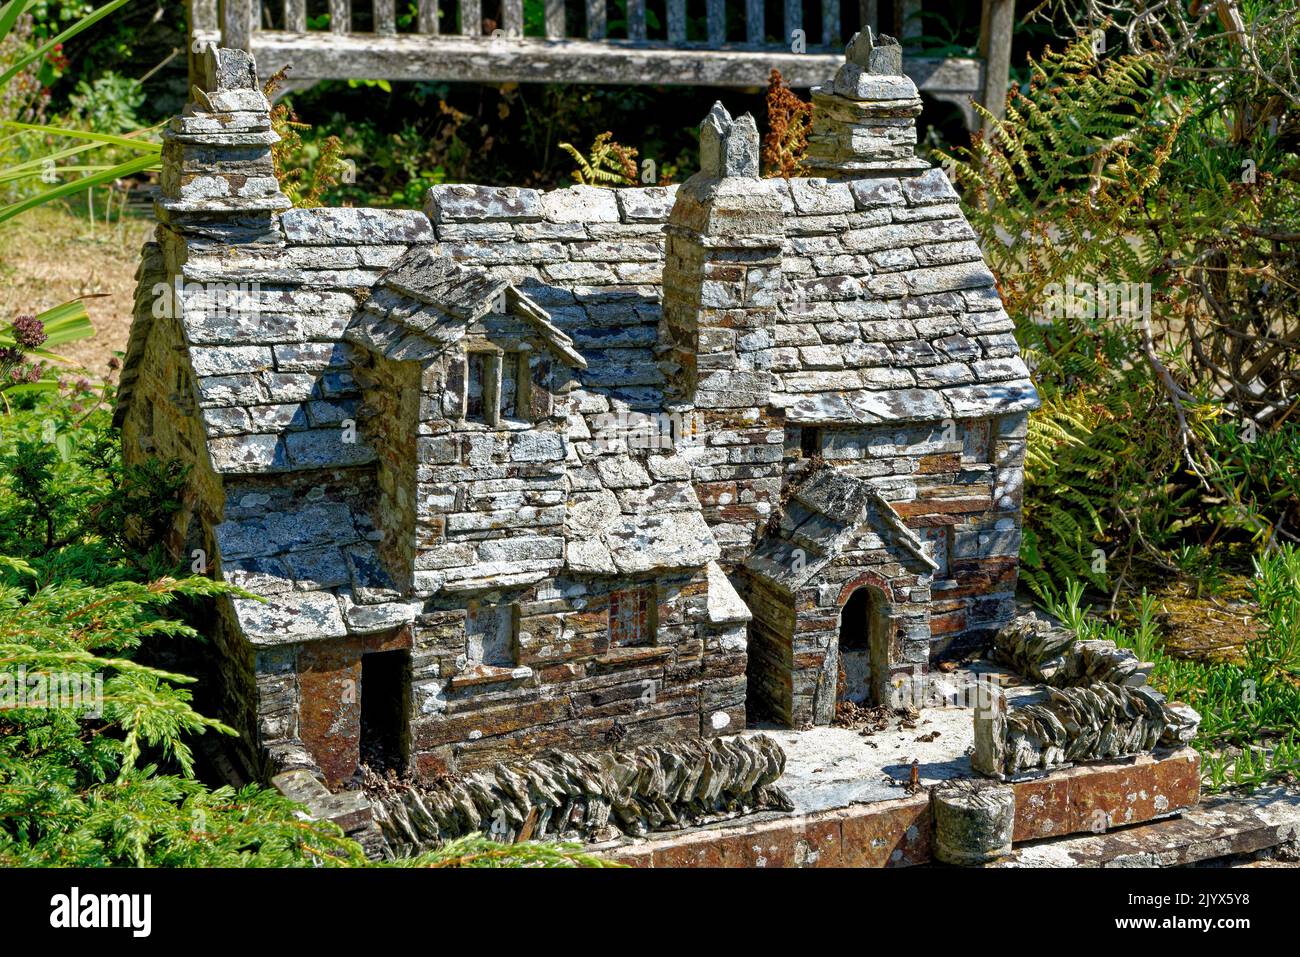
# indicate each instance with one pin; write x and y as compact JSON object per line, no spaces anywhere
{"x":1098,"y":797}
{"x":807,"y":623}
{"x":723,"y":665}
{"x":948,"y":624}
{"x":329,"y":713}
{"x":399,"y":640}
{"x":888,"y":834}
{"x":632,"y":855}
{"x":428,"y":765}
{"x":713,"y":493}
{"x":738,"y":513}
{"x":573,"y":648}
{"x":941,"y":506}
{"x":557,"y":674}
{"x":487,"y":722}
{"x":931,"y":464}
{"x":812,"y":659}
{"x":712,"y":724}
{"x":616,"y":659}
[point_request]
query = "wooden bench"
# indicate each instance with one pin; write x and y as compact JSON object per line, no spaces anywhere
{"x":483,"y":41}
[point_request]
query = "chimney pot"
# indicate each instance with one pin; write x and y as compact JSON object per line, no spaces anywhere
{"x":881,"y":55}
{"x":728,"y":147}
{"x":864,"y":119}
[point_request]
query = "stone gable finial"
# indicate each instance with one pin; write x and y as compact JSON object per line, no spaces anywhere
{"x":881,"y":55}
{"x":728,"y":147}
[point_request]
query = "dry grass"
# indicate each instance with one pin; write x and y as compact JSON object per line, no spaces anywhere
{"x":50,"y":255}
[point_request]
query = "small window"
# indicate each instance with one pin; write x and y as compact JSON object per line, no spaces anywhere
{"x":490,"y":635}
{"x":510,"y":363}
{"x":475,"y":380}
{"x":496,"y":386}
{"x":810,"y":442}
{"x":631,"y":617}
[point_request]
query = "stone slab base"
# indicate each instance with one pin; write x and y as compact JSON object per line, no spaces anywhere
{"x":1221,"y":827}
{"x":896,"y":833}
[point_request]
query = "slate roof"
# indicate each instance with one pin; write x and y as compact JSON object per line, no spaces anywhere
{"x":627,"y":513}
{"x":428,"y":300}
{"x":889,"y":312}
{"x":316,"y":566}
{"x":823,"y":514}
{"x":888,"y":315}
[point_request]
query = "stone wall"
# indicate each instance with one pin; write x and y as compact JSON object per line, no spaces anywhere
{"x":570,"y":683}
{"x":958,"y":485}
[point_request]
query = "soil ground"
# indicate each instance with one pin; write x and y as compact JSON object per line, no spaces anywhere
{"x":52,"y":254}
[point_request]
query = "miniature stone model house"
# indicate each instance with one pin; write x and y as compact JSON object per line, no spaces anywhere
{"x":583,"y":466}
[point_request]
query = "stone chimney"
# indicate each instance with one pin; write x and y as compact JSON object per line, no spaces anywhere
{"x":722,"y":272}
{"x":722,"y":285}
{"x":218,"y":181}
{"x":864,"y":121}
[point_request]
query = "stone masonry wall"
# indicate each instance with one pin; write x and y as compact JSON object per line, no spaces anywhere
{"x":387,"y":417}
{"x":571,"y":686}
{"x":957,"y":484}
{"x":490,"y":499}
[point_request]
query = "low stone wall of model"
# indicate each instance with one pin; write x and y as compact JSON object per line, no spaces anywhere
{"x":1096,"y":704}
{"x":589,"y":796}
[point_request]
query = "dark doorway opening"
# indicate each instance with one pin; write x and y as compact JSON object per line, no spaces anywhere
{"x":385,"y":676}
{"x":810,"y":441}
{"x":855,"y":647}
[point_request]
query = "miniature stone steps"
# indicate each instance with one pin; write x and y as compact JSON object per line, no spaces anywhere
{"x":1217,"y":828}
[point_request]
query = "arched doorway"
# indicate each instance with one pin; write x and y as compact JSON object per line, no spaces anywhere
{"x":856,"y":622}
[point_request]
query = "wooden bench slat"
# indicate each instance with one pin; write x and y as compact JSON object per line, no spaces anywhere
{"x":755,"y":27}
{"x":717,"y":14}
{"x":385,"y":17}
{"x":512,"y":18}
{"x":237,"y":23}
{"x":295,"y":16}
{"x":869,"y":15}
{"x":636,"y":20}
{"x":831,"y":22}
{"x":554,"y":12}
{"x":676,"y":21}
{"x":793,"y":19}
{"x":319,"y":56}
{"x":340,"y":16}
{"x":204,"y":16}
{"x":596,"y":19}
{"x":471,"y":18}
{"x":427,"y":19}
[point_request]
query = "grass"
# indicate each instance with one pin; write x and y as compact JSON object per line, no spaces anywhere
{"x":1250,"y":703}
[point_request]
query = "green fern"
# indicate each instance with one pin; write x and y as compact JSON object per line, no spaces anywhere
{"x":607,"y":164}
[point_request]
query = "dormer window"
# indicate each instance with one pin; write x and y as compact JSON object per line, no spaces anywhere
{"x":496,"y":386}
